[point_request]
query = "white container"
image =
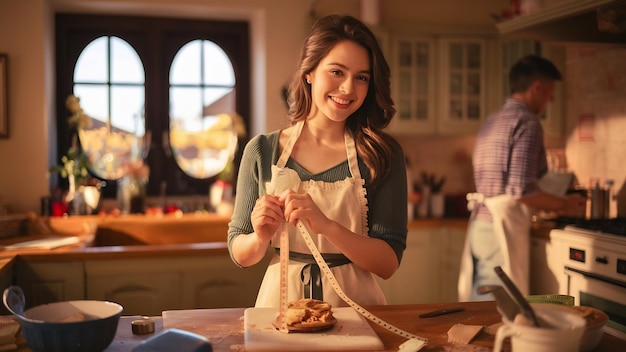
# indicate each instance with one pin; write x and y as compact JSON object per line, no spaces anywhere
{"x":437,"y":205}
{"x":561,"y":330}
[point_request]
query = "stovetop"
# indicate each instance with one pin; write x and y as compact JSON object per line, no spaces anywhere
{"x":614,"y":226}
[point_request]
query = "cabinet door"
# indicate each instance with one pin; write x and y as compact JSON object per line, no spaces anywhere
{"x":216,"y":282}
{"x":462,"y":85}
{"x":452,"y":243}
{"x":416,"y":281}
{"x":47,"y":282}
{"x":413,"y":85}
{"x":544,"y":263}
{"x":6,"y":280}
{"x":141,"y":286}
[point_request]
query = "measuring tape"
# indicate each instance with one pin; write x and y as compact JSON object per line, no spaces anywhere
{"x":284,"y":277}
{"x":284,"y":237}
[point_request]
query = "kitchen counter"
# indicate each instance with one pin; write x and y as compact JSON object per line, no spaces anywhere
{"x":141,"y":235}
{"x":137,"y":236}
{"x":224,"y":327}
{"x":176,"y":246}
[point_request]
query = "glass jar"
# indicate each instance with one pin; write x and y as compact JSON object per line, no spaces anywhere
{"x":131,"y":195}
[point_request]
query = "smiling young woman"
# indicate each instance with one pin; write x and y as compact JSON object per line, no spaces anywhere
{"x":344,"y":177}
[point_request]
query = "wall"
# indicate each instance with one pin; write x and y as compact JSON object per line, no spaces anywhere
{"x":596,"y":114}
{"x":24,"y":36}
{"x":27,"y":35}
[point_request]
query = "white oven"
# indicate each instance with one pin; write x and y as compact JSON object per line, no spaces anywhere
{"x":594,"y":269}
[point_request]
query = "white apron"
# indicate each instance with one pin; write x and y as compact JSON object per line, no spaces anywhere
{"x":511,"y":225}
{"x":342,"y":201}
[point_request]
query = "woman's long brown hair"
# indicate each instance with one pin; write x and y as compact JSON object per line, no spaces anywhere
{"x":367,"y":123}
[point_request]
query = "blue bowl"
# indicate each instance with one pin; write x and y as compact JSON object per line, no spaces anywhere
{"x":71,"y":326}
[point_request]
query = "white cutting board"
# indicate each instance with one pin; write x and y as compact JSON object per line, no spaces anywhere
{"x":351,"y":332}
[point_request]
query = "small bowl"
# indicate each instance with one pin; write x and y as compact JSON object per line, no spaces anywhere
{"x":596,"y":320}
{"x":71,"y":326}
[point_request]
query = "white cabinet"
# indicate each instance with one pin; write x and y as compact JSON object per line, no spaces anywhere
{"x":141,"y":286}
{"x":147,"y":286}
{"x":430,"y":267}
{"x":545,"y":261}
{"x":463,"y":84}
{"x":215,"y":283}
{"x":442,"y":85}
{"x":46,"y":282}
{"x":414,"y":85}
{"x":144,"y":285}
{"x":451,"y":244}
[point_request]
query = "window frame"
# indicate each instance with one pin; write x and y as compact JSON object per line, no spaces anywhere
{"x":156,"y":40}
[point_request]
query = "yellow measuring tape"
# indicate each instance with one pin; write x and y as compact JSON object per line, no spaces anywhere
{"x":417,"y":343}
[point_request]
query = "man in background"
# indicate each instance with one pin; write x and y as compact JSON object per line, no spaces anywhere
{"x":509,"y":159}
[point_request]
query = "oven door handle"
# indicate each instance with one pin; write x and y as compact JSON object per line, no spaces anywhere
{"x":596,"y":276}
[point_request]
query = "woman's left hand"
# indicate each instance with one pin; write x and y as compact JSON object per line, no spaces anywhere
{"x":302,"y":207}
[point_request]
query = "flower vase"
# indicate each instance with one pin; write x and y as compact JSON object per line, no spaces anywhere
{"x":74,"y":198}
{"x":131,"y":195}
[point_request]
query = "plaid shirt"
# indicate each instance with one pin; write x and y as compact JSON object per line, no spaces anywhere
{"x":509,"y":156}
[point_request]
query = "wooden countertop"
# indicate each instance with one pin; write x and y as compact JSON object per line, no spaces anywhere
{"x":138,"y":235}
{"x":224,"y":327}
{"x":141,"y":235}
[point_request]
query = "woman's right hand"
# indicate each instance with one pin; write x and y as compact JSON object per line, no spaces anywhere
{"x":267,"y":216}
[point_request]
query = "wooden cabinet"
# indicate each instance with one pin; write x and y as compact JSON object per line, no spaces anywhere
{"x":46,"y":282}
{"x":430,"y":266}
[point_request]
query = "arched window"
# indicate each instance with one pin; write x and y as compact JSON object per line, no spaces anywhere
{"x":109,"y":81}
{"x":163,"y":71}
{"x":202,"y":103}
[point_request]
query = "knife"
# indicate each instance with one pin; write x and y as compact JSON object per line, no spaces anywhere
{"x":439,"y":312}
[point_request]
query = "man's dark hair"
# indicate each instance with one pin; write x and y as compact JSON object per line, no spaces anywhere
{"x":529,"y":69}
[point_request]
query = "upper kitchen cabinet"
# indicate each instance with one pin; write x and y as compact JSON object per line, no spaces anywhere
{"x":463,"y":77}
{"x":589,"y":21}
{"x":413,"y":85}
{"x":441,"y":84}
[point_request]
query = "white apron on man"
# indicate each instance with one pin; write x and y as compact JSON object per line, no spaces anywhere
{"x":342,"y":201}
{"x":511,"y":226}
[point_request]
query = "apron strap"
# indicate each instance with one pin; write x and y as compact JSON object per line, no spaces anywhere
{"x":352,"y":156}
{"x":284,"y":156}
{"x":311,"y":277}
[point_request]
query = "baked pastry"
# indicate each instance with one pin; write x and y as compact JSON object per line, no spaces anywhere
{"x":308,"y":311}
{"x":309,"y":314}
